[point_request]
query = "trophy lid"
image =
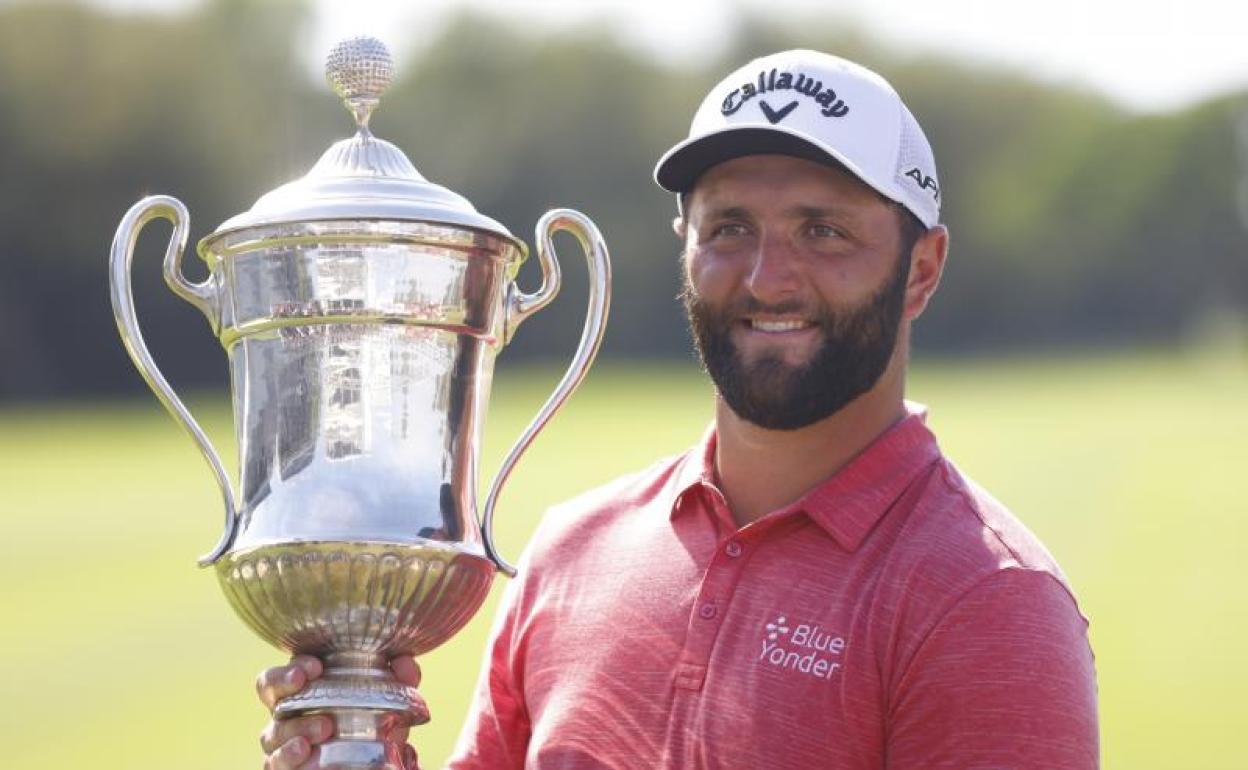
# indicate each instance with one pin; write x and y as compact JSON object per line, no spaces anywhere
{"x":364,"y":177}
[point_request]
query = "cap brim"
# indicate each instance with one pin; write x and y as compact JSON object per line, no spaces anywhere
{"x":679,"y":168}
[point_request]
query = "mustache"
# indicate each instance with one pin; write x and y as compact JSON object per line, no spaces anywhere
{"x":750,"y":305}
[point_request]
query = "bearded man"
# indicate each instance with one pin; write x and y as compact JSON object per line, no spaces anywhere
{"x":814,"y":584}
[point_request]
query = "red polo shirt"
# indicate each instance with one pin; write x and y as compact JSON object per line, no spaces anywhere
{"x":894,"y":617}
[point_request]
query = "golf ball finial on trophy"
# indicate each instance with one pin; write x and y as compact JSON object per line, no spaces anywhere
{"x":361,"y":308}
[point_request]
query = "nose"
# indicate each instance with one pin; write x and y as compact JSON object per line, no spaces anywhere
{"x":773,"y":274}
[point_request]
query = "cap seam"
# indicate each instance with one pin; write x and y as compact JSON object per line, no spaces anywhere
{"x":901,"y":127}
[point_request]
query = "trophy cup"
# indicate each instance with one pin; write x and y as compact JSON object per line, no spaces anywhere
{"x":361,"y":308}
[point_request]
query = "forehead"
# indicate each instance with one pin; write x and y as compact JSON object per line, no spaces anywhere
{"x":781,"y":179}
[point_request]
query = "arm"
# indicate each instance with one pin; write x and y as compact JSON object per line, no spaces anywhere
{"x":1004,"y":680}
{"x":496,"y":733}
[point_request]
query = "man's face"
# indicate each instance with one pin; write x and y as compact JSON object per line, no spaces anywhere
{"x":794,"y":286}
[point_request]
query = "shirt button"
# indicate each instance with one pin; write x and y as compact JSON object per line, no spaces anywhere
{"x":734,"y":549}
{"x":707,"y":611}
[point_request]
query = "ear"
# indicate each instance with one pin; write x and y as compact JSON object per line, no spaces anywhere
{"x":927,"y":263}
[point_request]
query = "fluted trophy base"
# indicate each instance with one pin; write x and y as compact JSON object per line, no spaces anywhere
{"x":369,"y":707}
{"x":355,"y":606}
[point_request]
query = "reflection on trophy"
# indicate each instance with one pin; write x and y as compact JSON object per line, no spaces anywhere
{"x":361,"y":308}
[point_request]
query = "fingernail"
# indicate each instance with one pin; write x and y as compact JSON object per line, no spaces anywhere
{"x":292,"y":676}
{"x":325,"y":728}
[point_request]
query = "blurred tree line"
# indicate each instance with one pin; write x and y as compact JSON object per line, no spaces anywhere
{"x":1074,"y":222}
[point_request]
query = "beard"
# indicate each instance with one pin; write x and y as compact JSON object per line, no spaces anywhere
{"x":857,"y":343}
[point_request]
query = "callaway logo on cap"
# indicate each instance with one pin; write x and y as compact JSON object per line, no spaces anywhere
{"x":815,"y":106}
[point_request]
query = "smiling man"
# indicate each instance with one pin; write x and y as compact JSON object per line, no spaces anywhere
{"x":814,"y":584}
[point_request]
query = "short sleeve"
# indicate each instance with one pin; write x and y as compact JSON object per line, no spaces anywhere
{"x":1004,"y":680}
{"x":495,"y":736}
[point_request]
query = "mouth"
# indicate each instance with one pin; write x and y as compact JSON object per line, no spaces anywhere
{"x":777,"y":325}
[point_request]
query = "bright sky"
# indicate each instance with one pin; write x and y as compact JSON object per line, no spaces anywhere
{"x":1147,"y":54}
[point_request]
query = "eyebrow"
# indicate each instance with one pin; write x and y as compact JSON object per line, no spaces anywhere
{"x":819,"y":212}
{"x":800,"y":211}
{"x":728,"y":212}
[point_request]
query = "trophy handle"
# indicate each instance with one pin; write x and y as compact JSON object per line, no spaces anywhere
{"x":521,"y":306}
{"x":201,"y":295}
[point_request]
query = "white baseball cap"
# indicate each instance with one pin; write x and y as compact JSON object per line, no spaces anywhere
{"x":816,"y":106}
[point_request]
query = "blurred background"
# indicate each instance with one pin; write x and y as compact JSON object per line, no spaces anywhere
{"x":1085,"y":358}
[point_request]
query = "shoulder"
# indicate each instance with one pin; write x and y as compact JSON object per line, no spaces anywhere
{"x":959,"y":544}
{"x":958,"y":528}
{"x":623,"y":492}
{"x":586,"y":521}
{"x":974,"y":597}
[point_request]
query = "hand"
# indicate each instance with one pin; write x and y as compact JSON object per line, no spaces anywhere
{"x":290,"y":744}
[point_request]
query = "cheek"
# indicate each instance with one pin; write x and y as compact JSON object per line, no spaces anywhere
{"x":839,"y":286}
{"x":706,"y":274}
{"x":840,"y":277}
{"x":857,"y":280}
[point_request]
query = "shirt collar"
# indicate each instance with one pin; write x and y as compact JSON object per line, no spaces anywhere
{"x":848,"y":503}
{"x":696,"y":471}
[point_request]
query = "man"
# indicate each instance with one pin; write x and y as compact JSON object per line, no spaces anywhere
{"x":814,"y":585}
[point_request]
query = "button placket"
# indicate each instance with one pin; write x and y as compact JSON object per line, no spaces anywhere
{"x":709,"y":611}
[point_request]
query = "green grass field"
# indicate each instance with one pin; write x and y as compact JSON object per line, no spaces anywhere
{"x":120,"y":653}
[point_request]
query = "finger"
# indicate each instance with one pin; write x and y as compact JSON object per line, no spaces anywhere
{"x":406,"y":669}
{"x":290,"y":756}
{"x":311,"y":665}
{"x":410,"y":760}
{"x":275,"y":683}
{"x":278,"y":682}
{"x":315,"y":729}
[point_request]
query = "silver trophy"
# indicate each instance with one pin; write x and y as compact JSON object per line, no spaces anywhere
{"x":361,"y":308}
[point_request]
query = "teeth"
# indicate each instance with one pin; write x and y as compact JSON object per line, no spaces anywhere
{"x":778,"y":326}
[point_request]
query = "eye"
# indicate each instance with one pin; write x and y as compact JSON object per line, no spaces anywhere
{"x":821,"y":230}
{"x":729,"y":230}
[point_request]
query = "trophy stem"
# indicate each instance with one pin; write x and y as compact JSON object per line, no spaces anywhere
{"x":368,"y":706}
